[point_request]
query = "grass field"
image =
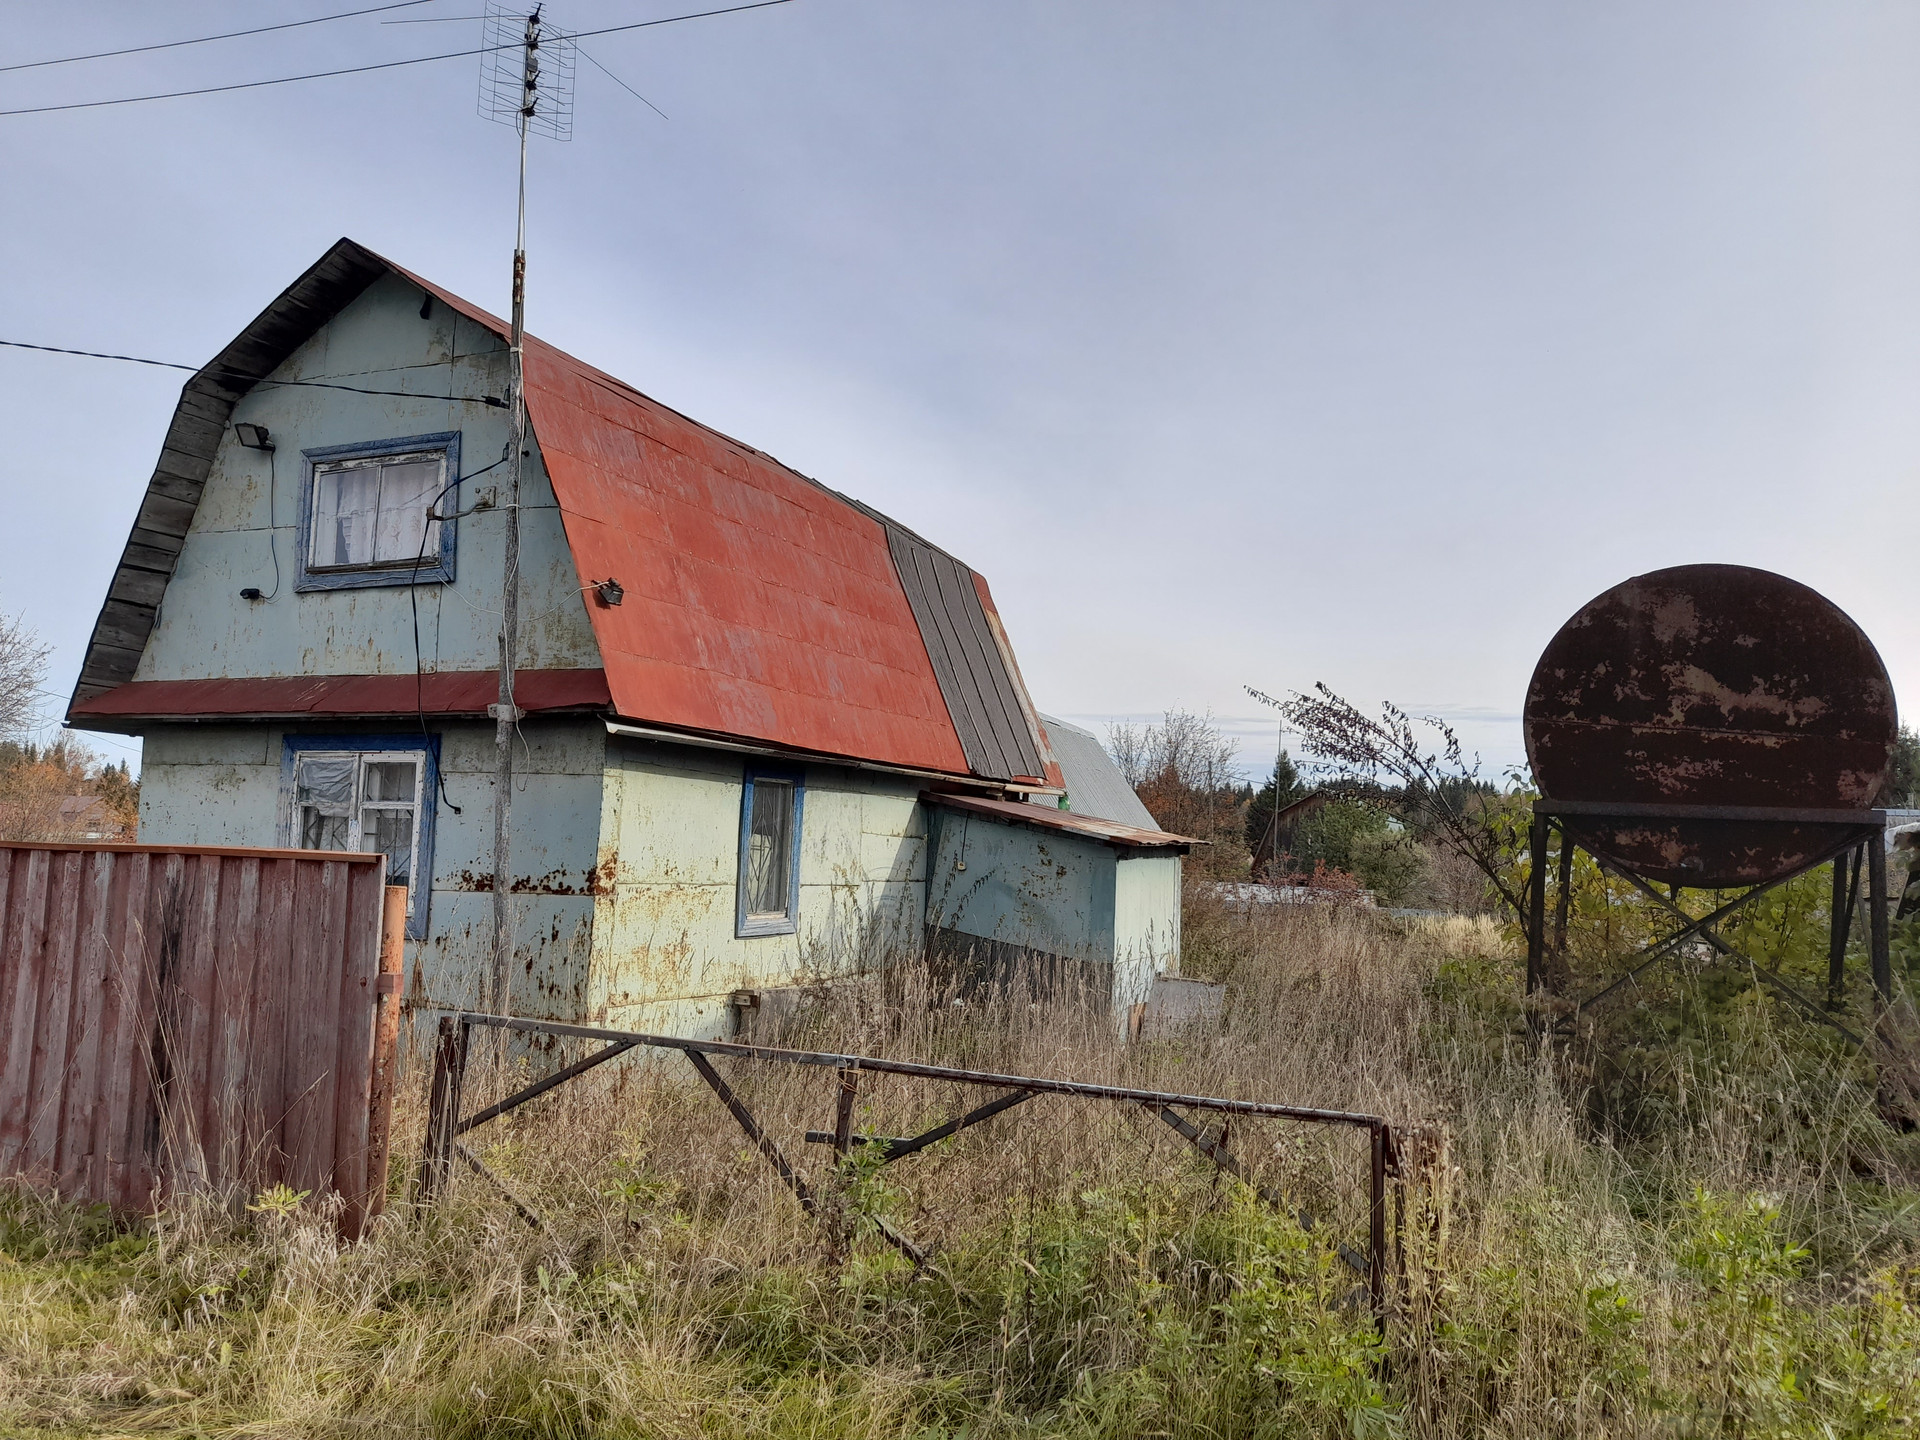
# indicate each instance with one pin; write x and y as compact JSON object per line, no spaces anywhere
{"x":1739,"y":1260}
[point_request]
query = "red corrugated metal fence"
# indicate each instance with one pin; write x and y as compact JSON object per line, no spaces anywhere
{"x":191,"y":1018}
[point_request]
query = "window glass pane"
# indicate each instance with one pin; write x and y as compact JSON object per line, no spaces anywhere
{"x":407,"y":491}
{"x":323,"y":801}
{"x":390,"y":780}
{"x":387,"y":813}
{"x":769,"y":848}
{"x":375,"y":512}
{"x":345,"y":505}
{"x":389,"y":831}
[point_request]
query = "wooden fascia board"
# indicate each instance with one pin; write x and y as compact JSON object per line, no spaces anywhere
{"x":173,"y":492}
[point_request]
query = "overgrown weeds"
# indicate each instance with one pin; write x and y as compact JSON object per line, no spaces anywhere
{"x":1748,"y":1265}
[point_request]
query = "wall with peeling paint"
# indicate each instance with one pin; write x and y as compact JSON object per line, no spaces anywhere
{"x":1042,"y":891}
{"x":223,"y":785}
{"x":1059,"y":895}
{"x":665,"y":956}
{"x":250,"y":514}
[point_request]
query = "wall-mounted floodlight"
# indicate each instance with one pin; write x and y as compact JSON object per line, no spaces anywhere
{"x":254,"y":437}
{"x":609,"y":592}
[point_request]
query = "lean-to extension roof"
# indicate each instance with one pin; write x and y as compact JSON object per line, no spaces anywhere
{"x":758,"y":603}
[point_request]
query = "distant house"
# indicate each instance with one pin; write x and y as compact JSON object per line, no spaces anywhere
{"x":767,"y":733}
{"x":86,"y":817}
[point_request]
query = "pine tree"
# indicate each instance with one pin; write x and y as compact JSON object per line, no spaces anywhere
{"x":1281,"y":791}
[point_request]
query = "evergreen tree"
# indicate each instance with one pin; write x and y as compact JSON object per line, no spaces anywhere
{"x":1281,"y":791}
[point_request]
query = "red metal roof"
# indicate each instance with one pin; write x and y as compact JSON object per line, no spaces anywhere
{"x":758,"y":602}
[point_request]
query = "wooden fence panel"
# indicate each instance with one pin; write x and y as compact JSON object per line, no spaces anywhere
{"x":191,"y":1018}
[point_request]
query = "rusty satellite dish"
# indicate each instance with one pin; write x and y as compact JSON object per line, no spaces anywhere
{"x":1710,"y":685}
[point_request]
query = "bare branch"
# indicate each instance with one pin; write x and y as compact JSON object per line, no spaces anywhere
{"x":23,"y":669}
{"x":1353,"y":748}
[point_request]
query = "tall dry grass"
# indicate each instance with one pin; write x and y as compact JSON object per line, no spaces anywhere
{"x":1747,"y":1268}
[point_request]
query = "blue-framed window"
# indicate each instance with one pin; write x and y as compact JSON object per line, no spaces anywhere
{"x":369,"y":513}
{"x":769,"y":880}
{"x":371,"y":793}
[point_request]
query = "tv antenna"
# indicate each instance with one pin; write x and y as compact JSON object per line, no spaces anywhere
{"x":526,"y":81}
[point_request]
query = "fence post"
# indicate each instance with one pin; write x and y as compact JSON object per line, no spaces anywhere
{"x":443,"y":1106}
{"x":843,"y":1109}
{"x":386,"y":1044}
{"x":1377,"y":1223}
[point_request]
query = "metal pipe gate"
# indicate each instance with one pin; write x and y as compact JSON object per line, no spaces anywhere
{"x":446,"y":1124}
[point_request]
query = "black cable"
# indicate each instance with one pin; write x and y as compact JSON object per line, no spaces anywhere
{"x":382,"y":65}
{"x":204,"y":39}
{"x":273,"y":539}
{"x":260,"y":381}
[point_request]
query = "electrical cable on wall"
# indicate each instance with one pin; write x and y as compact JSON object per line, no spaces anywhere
{"x":413,"y":604}
{"x":273,"y":530}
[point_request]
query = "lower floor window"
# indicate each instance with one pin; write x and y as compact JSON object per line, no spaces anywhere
{"x":370,"y":796}
{"x":769,"y":879}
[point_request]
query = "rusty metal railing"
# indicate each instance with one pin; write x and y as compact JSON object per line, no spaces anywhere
{"x":446,"y":1124}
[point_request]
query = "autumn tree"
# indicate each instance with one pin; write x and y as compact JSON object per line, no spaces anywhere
{"x":56,"y":792}
{"x":1183,"y":771}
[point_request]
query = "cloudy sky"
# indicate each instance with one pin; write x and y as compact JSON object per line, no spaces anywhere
{"x":1237,"y":344}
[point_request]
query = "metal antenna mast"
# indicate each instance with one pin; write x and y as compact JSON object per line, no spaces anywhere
{"x":521,"y":94}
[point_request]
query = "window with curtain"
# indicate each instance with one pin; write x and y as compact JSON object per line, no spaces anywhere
{"x":769,"y":854}
{"x":375,"y":511}
{"x":379,"y":512}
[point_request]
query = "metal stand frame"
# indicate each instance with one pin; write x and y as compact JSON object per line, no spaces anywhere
{"x":1863,"y":838}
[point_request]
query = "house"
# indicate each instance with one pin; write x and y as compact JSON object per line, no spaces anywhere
{"x":768,"y":733}
{"x":86,"y":817}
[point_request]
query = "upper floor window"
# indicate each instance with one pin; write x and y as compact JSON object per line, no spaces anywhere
{"x":368,"y":793}
{"x":372,"y":513}
{"x":769,"y":878}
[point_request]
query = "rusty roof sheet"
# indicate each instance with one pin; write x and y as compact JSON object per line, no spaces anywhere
{"x":1088,"y":827}
{"x":443,"y":692}
{"x":758,"y":602}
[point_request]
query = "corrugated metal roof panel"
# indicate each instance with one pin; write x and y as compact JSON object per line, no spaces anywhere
{"x":1019,"y":812}
{"x":981,"y":694}
{"x":1093,"y":782}
{"x":757,"y":603}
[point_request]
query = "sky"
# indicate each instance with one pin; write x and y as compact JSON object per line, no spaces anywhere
{"x":1237,"y":344}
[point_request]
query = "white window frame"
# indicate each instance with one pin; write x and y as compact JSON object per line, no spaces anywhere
{"x":360,"y":804}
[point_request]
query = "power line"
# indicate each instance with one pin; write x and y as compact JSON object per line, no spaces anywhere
{"x":621,"y":83}
{"x":261,"y":380}
{"x":383,"y":65}
{"x":205,"y":39}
